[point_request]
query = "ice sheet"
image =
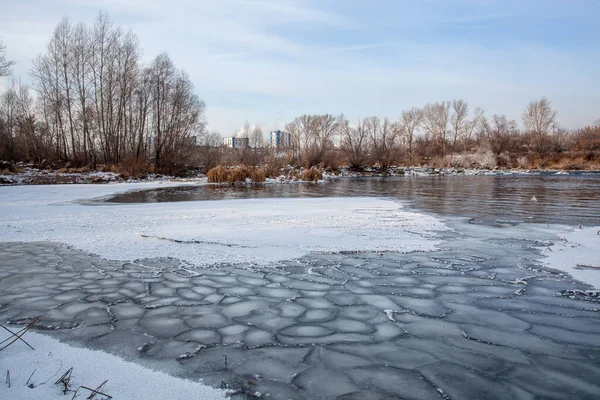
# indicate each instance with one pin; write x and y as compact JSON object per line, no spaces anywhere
{"x":201,"y":233}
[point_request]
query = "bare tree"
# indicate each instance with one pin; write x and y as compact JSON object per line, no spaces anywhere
{"x":384,"y":143}
{"x":472,"y":126}
{"x":256,"y":137}
{"x":299,"y":129}
{"x":325,"y":129}
{"x":9,"y":118}
{"x":97,"y":102}
{"x":208,"y":146}
{"x":80,"y":71}
{"x":435,"y":122}
{"x":19,"y":139}
{"x":538,"y":119}
{"x":499,"y":133}
{"x":312,"y":137}
{"x":60,"y":47}
{"x":411,"y":120}
{"x":458,"y":121}
{"x":354,"y":142}
{"x":5,"y":65}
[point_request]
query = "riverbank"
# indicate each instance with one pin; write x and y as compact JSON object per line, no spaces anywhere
{"x":25,"y":174}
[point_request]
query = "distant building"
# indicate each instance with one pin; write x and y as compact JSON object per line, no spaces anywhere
{"x":236,"y":142}
{"x":280,"y":139}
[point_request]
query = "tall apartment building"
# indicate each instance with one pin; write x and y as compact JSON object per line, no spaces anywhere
{"x":280,"y":139}
{"x":236,"y":142}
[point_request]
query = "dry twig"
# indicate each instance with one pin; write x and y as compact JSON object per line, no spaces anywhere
{"x":17,"y":336}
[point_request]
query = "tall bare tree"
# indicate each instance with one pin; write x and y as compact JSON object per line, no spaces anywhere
{"x":472,"y":127}
{"x":97,"y":102}
{"x":5,"y":65}
{"x":435,"y":122}
{"x":538,"y":119}
{"x":384,"y":140}
{"x":458,"y":121}
{"x":411,"y":120}
{"x":313,"y":136}
{"x":499,"y":133}
{"x":355,"y":142}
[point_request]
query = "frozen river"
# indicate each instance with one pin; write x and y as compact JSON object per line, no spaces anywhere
{"x":363,"y":300}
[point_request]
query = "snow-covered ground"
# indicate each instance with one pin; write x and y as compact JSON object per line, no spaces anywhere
{"x":577,"y":252}
{"x":201,"y":233}
{"x":51,"y":359}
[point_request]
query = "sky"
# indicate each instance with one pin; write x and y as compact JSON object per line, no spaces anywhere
{"x":269,"y":61}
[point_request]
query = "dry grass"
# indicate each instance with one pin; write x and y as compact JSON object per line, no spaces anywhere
{"x":273,"y":166}
{"x":110,"y":168}
{"x":217,"y":175}
{"x":136,"y":169}
{"x":220,"y":174}
{"x":258,"y":175}
{"x":81,"y":170}
{"x":239,"y":175}
{"x":312,"y":174}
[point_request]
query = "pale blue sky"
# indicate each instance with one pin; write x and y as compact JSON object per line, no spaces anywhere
{"x":268,"y":61}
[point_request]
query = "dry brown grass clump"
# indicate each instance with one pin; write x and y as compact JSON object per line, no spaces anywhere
{"x":239,"y":175}
{"x":217,"y":174}
{"x":312,"y":175}
{"x":258,"y":175}
{"x":110,"y":168}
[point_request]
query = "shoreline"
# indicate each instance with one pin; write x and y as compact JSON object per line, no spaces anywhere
{"x":35,"y":176}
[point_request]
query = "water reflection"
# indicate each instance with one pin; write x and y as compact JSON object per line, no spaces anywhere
{"x":569,"y":199}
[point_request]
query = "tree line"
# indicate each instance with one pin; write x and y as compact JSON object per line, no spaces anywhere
{"x":97,"y":103}
{"x":446,"y":133}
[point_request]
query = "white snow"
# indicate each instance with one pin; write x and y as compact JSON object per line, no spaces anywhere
{"x":577,"y":252}
{"x":31,"y":195}
{"x":51,"y":359}
{"x":256,"y":231}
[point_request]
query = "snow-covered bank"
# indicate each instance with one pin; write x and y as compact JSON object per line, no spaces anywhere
{"x":51,"y":359}
{"x":256,"y":231}
{"x":36,"y":195}
{"x":577,"y":252}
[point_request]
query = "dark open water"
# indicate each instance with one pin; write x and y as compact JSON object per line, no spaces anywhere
{"x":568,"y":199}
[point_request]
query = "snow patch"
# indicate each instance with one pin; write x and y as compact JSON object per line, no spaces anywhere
{"x":52,"y":358}
{"x":207,"y":232}
{"x":576,"y":252}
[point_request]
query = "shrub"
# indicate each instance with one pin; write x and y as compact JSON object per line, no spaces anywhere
{"x":312,"y":175}
{"x":217,"y":174}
